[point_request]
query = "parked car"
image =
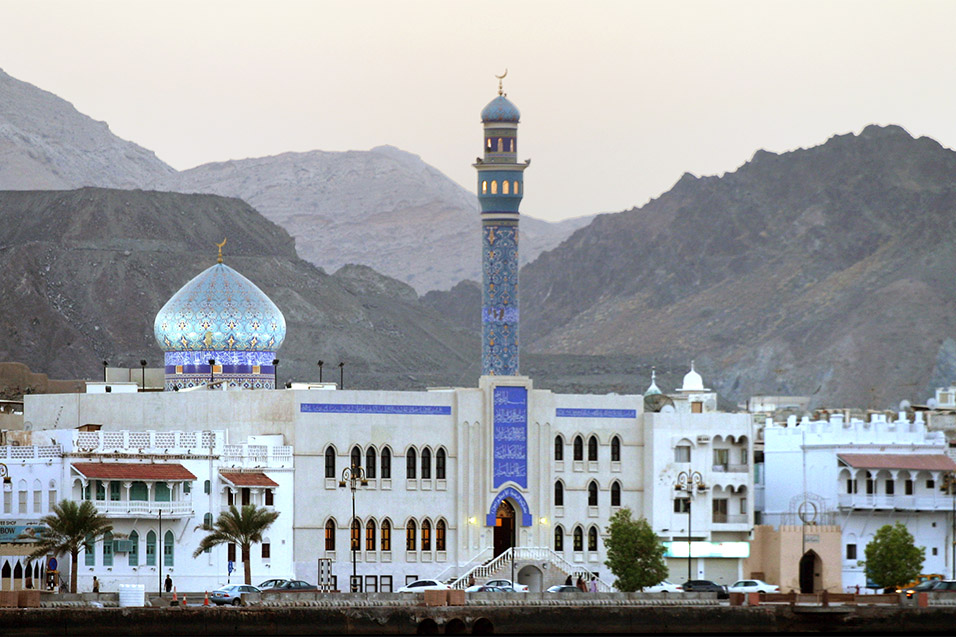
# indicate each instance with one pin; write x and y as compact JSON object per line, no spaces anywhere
{"x":231,"y":594}
{"x":422,"y":585}
{"x":495,"y":589}
{"x":507,"y":583}
{"x":294,"y":585}
{"x":923,"y":587}
{"x":945,"y":586}
{"x":752,"y":586}
{"x":270,"y":583}
{"x":564,"y":588}
{"x":705,"y":586}
{"x":664,"y":587}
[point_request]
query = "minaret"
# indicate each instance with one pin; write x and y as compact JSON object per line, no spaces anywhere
{"x":500,"y":188}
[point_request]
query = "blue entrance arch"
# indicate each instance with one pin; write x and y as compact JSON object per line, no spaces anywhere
{"x":514,"y":494}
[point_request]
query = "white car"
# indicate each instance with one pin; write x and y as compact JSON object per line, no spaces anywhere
{"x":422,"y":585}
{"x":503,"y":583}
{"x":664,"y":587}
{"x":752,"y":586}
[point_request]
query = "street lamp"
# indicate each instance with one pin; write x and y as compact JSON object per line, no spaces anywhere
{"x":142,"y":364}
{"x":212,"y":365}
{"x":341,"y":375}
{"x":689,"y":482}
{"x":105,"y":365}
{"x":275,"y":373}
{"x":321,"y":363}
{"x":353,"y":477}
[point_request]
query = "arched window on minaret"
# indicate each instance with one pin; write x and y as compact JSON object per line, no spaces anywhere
{"x":505,"y":187}
{"x":516,"y":186}
{"x":501,"y":145}
{"x":494,"y":187}
{"x":484,"y":187}
{"x":512,"y":144}
{"x":488,"y":143}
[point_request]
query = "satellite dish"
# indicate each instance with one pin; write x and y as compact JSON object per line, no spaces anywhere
{"x":932,"y":403}
{"x":667,"y":409}
{"x":905,"y":405}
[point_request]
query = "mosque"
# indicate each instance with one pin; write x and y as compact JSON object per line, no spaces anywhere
{"x":447,"y":483}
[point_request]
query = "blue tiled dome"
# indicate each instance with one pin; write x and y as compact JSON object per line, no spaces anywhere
{"x":500,"y":109}
{"x":220,"y":310}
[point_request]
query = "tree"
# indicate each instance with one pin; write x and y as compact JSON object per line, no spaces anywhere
{"x":634,"y":552}
{"x":67,"y":529}
{"x":243,"y":527}
{"x":892,"y":558}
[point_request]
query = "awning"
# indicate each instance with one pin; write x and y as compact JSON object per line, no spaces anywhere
{"x":250,"y":479}
{"x":911,"y":461}
{"x":132,"y":471}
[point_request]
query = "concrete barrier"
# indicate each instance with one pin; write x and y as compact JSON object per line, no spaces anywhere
{"x":436,"y":598}
{"x":28,"y":599}
{"x":9,"y":599}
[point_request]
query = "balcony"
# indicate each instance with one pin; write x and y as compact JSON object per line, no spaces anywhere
{"x":896,"y":502}
{"x":729,"y":518}
{"x":143,"y":509}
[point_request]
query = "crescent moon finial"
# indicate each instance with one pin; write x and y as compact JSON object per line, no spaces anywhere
{"x":219,"y":245}
{"x":501,"y":77}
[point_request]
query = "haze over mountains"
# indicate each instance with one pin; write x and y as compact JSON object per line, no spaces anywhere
{"x":826,"y":271}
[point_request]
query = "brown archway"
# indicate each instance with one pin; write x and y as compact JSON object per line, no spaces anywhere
{"x":810,"y":569}
{"x":504,"y":528}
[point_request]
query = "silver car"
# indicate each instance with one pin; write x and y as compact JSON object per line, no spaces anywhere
{"x":231,"y":594}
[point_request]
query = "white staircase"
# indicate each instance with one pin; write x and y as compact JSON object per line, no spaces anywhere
{"x":491,"y":567}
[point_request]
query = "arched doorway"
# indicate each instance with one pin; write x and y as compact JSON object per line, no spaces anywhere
{"x":532,"y":577}
{"x":504,"y":527}
{"x":810,"y":570}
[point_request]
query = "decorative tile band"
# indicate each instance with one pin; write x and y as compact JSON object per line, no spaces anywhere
{"x":567,"y":412}
{"x":401,"y":410}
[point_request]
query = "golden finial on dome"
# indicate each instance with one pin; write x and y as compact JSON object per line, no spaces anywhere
{"x":219,"y":259}
{"x":501,"y":90}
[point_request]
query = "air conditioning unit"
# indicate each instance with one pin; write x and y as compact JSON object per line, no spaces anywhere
{"x":703,"y":439}
{"x":122,"y":546}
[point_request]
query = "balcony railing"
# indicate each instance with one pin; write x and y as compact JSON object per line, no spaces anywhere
{"x":139,"y":508}
{"x":900,"y":502}
{"x":729,"y":518}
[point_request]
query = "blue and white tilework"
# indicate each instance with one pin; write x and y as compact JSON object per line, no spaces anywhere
{"x":499,"y":307}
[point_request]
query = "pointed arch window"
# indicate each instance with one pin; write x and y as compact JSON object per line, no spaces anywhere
{"x":330,"y":535}
{"x":426,"y":463}
{"x":37,"y":496}
{"x":505,"y":187}
{"x":440,"y":464}
{"x":356,"y":457}
{"x":592,"y":449}
{"x":386,"y":541}
{"x":615,"y":449}
{"x":517,"y":189}
{"x":90,"y":550}
{"x":370,"y":535}
{"x":592,"y":494}
{"x":151,"y":548}
{"x":108,"y":549}
{"x":593,"y":539}
{"x":558,"y":448}
{"x":168,"y":546}
{"x":484,"y":182}
{"x":133,"y":554}
{"x":411,"y":463}
{"x":615,"y":494}
{"x":578,"y":448}
{"x":440,"y":532}
{"x":578,"y":538}
{"x":494,"y":186}
{"x":558,"y":494}
{"x":501,"y":145}
{"x":558,"y":539}
{"x":386,"y":464}
{"x":370,"y":462}
{"x":329,"y":462}
{"x":512,"y":145}
{"x":410,"y":530}
{"x":52,"y":493}
{"x":356,"y":533}
{"x":426,"y":535}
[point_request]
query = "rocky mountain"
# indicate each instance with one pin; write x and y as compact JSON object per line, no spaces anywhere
{"x":384,"y":208}
{"x":47,"y":144}
{"x":83,"y":273}
{"x":825,"y":271}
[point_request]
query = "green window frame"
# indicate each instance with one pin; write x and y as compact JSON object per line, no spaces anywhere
{"x":151,"y":548}
{"x":89,"y":548}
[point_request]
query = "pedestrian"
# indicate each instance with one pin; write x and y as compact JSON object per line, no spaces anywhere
{"x":593,"y":584}
{"x":568,"y":582}
{"x":96,"y":585}
{"x":471,"y":581}
{"x":169,"y":583}
{"x":581,"y":585}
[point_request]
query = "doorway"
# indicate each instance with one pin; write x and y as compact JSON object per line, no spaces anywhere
{"x":810,"y":567}
{"x":504,"y":527}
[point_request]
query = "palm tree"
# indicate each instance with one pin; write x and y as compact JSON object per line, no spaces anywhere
{"x":67,"y":529}
{"x":243,"y":527}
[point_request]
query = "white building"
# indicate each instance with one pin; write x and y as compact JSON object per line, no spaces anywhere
{"x":860,"y":475}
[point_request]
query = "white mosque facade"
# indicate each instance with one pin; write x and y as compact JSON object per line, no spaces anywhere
{"x":455,"y":478}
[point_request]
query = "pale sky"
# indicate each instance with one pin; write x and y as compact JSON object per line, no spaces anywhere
{"x":618,"y":98}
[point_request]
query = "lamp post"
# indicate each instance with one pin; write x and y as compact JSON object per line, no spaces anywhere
{"x":321,"y":363}
{"x":159,"y":552}
{"x":689,"y":482}
{"x":353,"y":477}
{"x":142,"y":364}
{"x":105,"y":365}
{"x":341,"y":375}
{"x":275,"y":373}
{"x":212,"y":364}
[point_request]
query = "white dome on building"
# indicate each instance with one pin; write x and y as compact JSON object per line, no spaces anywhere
{"x":692,"y":380}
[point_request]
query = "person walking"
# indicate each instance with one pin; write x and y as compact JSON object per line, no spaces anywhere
{"x":169,"y":583}
{"x":581,"y":585}
{"x":593,"y":584}
{"x":568,"y":581}
{"x":96,"y":585}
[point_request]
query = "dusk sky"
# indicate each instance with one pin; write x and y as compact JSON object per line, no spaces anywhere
{"x":618,"y":98}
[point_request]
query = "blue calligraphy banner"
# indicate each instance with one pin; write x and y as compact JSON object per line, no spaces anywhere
{"x":511,"y":435}
{"x":398,"y":410}
{"x":569,"y":412}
